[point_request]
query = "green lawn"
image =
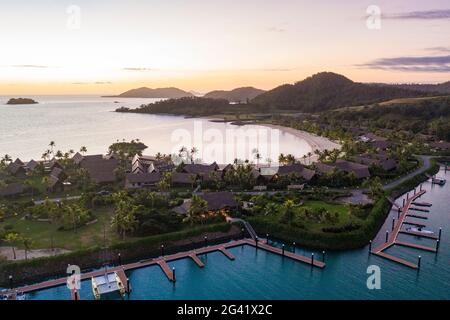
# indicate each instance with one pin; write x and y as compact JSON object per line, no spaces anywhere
{"x":314,"y":222}
{"x":41,"y":233}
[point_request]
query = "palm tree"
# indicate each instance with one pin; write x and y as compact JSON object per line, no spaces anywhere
{"x":59,"y":154}
{"x":52,"y":144}
{"x":46,"y":182}
{"x":288,"y":211}
{"x":282,"y":159}
{"x":304,"y":158}
{"x":12,"y":238}
{"x":197,"y":206}
{"x":257,"y":156}
{"x":194,"y":151}
{"x":124,"y":219}
{"x":46,"y":155}
{"x":83,"y":150}
{"x":6,"y":159}
{"x":290,"y":159}
{"x":309,"y":156}
{"x":27,"y":242}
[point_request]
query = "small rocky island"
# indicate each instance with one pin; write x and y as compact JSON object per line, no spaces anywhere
{"x":21,"y":101}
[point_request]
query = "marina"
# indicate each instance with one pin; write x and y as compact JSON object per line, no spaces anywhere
{"x":264,"y":273}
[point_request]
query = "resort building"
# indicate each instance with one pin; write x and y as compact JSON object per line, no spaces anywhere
{"x":380,"y":160}
{"x":16,"y":169}
{"x":143,"y":180}
{"x":217,"y":201}
{"x":203,"y":171}
{"x":31,"y":165}
{"x":294,"y":170}
{"x":11,"y":190}
{"x":148,"y":164}
{"x":100,"y":170}
{"x":77,"y":158}
{"x":180,"y":179}
{"x":361,"y":171}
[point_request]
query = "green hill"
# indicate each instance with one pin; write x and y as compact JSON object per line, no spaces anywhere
{"x":326,"y":90}
{"x":236,"y":95}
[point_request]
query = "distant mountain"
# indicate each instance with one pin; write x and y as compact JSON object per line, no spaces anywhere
{"x":236,"y":95}
{"x":443,"y":88}
{"x":169,"y":93}
{"x":196,"y":93}
{"x":327,"y":90}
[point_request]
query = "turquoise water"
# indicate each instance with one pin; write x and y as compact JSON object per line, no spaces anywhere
{"x":261,"y":275}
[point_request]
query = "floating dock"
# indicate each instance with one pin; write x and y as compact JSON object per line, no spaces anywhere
{"x":422,"y":204}
{"x":414,"y":224}
{"x":417,"y":216}
{"x":166,"y":269}
{"x":392,"y":238}
{"x":162,"y":263}
{"x":197,"y":260}
{"x":419,"y":234}
{"x":419,"y":209}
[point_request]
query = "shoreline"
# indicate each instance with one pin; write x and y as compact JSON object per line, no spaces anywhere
{"x":314,"y":141}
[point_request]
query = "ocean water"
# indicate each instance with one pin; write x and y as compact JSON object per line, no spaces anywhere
{"x":75,"y":121}
{"x":256,"y":274}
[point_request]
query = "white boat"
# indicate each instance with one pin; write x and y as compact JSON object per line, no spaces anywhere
{"x":439,"y":181}
{"x":106,"y":284}
{"x":420,"y":230}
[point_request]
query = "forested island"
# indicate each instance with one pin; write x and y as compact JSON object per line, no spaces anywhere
{"x":195,"y":107}
{"x":21,"y":101}
{"x":321,"y":92}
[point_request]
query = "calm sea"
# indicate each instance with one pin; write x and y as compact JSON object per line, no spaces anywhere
{"x":75,"y":121}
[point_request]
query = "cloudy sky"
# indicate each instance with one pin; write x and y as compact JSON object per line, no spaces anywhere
{"x":109,"y":46}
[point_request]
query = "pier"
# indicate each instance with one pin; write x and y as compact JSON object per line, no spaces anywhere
{"x":391,"y":239}
{"x":422,"y":204}
{"x":419,"y":234}
{"x":162,"y":263}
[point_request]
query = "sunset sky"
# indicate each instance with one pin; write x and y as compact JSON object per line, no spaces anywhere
{"x":109,"y":46}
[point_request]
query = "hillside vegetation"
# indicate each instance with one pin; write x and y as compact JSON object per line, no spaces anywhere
{"x":325,"y":91}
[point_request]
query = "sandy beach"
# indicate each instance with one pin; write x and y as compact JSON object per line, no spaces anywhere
{"x":316,"y":142}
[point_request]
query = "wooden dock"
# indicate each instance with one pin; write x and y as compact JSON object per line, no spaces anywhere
{"x":162,"y":263}
{"x":419,"y":209}
{"x":291,"y":255}
{"x":392,"y":239}
{"x":227,"y":253}
{"x":415,"y":246}
{"x":422,"y":204}
{"x":197,"y":260}
{"x":166,"y":269}
{"x":419,"y":234}
{"x":414,"y":224}
{"x":398,"y":260}
{"x":417,"y":216}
